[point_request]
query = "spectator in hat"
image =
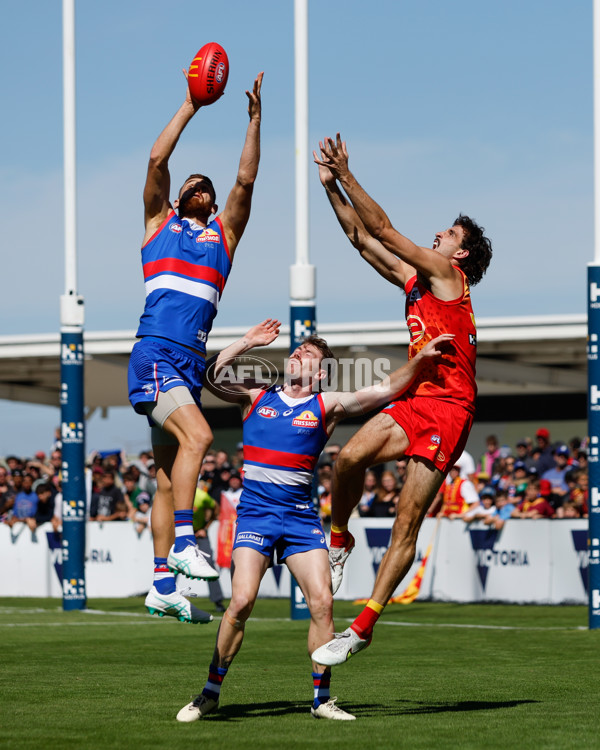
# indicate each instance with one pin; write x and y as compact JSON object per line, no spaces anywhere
{"x":544,"y":459}
{"x":484,"y":509}
{"x":557,"y":475}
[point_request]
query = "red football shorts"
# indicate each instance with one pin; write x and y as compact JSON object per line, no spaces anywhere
{"x":437,"y":430}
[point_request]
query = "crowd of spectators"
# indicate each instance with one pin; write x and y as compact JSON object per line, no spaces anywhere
{"x":533,"y":479}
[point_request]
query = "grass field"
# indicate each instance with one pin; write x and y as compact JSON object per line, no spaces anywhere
{"x":436,"y":676}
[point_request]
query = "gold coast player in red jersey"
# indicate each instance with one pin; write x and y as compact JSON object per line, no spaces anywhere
{"x":430,"y":423}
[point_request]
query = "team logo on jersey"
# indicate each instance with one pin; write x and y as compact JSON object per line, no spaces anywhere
{"x":416,"y":328}
{"x":148,"y":388}
{"x":435,"y":442}
{"x":268,"y":412}
{"x":177,"y":228}
{"x":472,"y":339}
{"x":306,"y":419}
{"x":208,"y":235}
{"x":251,"y":537}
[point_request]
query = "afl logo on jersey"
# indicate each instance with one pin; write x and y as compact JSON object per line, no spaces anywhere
{"x":208,"y":235}
{"x":306,"y":419}
{"x":268,"y":412}
{"x":177,"y":228}
{"x":416,"y":328}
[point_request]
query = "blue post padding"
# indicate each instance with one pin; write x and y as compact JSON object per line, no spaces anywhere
{"x":594,"y":445}
{"x":73,"y":470}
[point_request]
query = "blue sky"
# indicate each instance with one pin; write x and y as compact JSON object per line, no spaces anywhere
{"x":480,"y":108}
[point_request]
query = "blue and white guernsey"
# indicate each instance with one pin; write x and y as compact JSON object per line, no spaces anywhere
{"x":185,"y":270}
{"x":283,"y":439}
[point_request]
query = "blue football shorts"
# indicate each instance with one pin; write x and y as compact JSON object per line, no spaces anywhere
{"x":159,"y":365}
{"x":270,"y":528}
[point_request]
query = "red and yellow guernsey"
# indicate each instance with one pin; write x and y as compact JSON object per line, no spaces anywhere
{"x":453,"y":377}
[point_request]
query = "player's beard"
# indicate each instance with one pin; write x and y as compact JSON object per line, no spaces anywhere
{"x":183,"y":208}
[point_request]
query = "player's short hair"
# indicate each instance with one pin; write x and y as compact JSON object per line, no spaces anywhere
{"x":479,"y":247}
{"x":205,"y":179}
{"x":323,"y":347}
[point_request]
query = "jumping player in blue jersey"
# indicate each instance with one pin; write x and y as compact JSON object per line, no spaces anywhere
{"x":285,"y":430}
{"x":186,"y":258}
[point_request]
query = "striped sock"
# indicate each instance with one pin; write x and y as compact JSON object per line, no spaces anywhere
{"x":339,"y":536}
{"x":321,"y":684}
{"x":184,"y":530}
{"x":164,"y":580}
{"x":216,"y":675}
{"x":365,"y":622}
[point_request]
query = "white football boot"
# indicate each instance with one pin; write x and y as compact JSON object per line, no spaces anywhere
{"x":175,"y":605}
{"x":340,"y":648}
{"x":330,"y":711}
{"x":191,"y":562}
{"x":199,"y":707}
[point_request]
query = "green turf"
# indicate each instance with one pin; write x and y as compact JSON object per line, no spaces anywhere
{"x":526,"y":677}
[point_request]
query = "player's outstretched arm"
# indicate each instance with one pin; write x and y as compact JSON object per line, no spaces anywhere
{"x":384,"y":262}
{"x":158,"y":179}
{"x":377,"y":222}
{"x":217,"y":380}
{"x":237,"y":209}
{"x":343,"y":405}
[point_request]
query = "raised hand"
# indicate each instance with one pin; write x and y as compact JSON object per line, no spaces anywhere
{"x":334,"y":156}
{"x":325,"y":174}
{"x":264,"y":333}
{"x":254,"y":103}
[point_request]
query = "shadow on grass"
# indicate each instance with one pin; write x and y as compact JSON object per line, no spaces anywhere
{"x":258,"y":710}
{"x":287,"y":708}
{"x":442,"y":707}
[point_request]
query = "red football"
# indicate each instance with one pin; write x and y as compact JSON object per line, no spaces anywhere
{"x":208,"y":74}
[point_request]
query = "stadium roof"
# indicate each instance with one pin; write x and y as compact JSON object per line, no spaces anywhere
{"x":534,"y":355}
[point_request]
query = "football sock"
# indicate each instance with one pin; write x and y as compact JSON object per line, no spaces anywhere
{"x":340,"y":536}
{"x":216,"y":675}
{"x":184,"y":530}
{"x":321,"y":684}
{"x":365,"y":622}
{"x":164,"y":580}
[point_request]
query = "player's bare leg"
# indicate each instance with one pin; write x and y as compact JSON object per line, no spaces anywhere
{"x":311,"y":571}
{"x":187,"y":425}
{"x":249,"y":569}
{"x":380,"y":439}
{"x":423,"y":481}
{"x":161,"y":519}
